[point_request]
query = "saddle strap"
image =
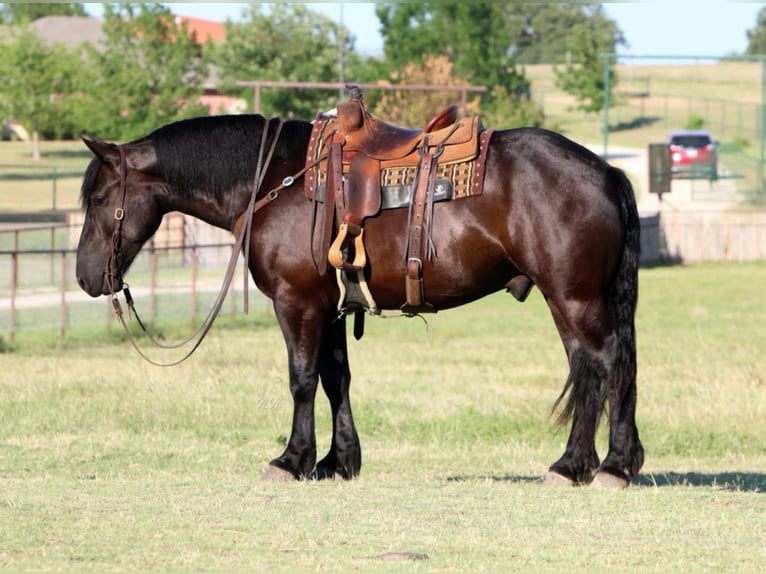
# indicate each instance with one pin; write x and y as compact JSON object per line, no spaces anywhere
{"x":333,"y":193}
{"x":425,"y":178}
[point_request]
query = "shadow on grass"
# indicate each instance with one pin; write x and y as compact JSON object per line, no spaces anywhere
{"x":734,"y":481}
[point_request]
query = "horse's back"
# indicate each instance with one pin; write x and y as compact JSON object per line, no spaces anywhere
{"x":547,"y":211}
{"x":562,"y":207}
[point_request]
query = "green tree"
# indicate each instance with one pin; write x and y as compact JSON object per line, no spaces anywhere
{"x":756,"y":37}
{"x":539,"y":32}
{"x":583,"y":74}
{"x":36,"y":77}
{"x":22,"y":12}
{"x":287,"y":42}
{"x":474,"y":36}
{"x":150,"y":73}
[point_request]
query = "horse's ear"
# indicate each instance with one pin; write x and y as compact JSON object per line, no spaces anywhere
{"x":142,"y":157}
{"x":102,"y":149}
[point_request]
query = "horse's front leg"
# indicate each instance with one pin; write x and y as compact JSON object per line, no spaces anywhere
{"x":345,"y":457}
{"x":302,"y":330}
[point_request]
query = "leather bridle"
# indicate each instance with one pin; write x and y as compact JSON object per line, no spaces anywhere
{"x":112,"y":270}
{"x":242,"y":241}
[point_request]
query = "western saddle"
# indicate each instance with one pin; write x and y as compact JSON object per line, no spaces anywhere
{"x":356,"y":158}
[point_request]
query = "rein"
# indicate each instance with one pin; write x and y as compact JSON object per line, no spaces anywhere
{"x":242,"y":240}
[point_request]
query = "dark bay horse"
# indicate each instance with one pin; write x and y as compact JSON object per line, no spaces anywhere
{"x":552,"y":214}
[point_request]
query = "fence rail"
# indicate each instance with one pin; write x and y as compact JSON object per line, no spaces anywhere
{"x":176,"y":275}
{"x":179,"y":272}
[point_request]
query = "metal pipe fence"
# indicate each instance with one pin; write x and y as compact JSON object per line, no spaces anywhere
{"x":172,"y":278}
{"x":176,"y":276}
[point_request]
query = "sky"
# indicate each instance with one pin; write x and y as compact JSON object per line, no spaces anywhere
{"x":655,"y":28}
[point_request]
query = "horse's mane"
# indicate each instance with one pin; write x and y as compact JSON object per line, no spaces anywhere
{"x":88,"y":180}
{"x":212,"y":154}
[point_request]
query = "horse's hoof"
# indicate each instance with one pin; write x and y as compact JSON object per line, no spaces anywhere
{"x":553,"y":478}
{"x":608,"y":480}
{"x":276,"y":474}
{"x":325,"y":473}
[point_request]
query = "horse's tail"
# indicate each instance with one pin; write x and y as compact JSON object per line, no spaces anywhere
{"x":622,"y":297}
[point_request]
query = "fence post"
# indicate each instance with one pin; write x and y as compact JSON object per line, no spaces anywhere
{"x":52,"y":254}
{"x":194,"y":283}
{"x":14,"y":269}
{"x":152,"y":281}
{"x":54,"y":176}
{"x":62,"y":310}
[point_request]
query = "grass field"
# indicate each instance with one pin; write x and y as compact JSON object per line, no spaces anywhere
{"x":107,"y":463}
{"x":53,"y":182}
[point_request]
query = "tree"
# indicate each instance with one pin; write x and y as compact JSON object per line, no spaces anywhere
{"x":150,"y":73}
{"x":473,"y":36}
{"x":409,"y":108}
{"x":583,"y":75}
{"x":35,"y":77}
{"x":539,"y":32}
{"x":23,"y":12}
{"x":756,"y":38}
{"x":283,"y":43}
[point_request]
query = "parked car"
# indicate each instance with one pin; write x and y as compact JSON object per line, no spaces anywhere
{"x":693,"y":153}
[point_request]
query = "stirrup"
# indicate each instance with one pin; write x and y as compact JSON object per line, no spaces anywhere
{"x":335,"y":255}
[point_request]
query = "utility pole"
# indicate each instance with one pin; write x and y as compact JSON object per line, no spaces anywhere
{"x":341,"y":52}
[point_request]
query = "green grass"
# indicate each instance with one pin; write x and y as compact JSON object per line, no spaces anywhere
{"x":107,"y":463}
{"x":54,"y":182}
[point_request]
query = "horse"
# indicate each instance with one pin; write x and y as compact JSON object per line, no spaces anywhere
{"x":552,"y":214}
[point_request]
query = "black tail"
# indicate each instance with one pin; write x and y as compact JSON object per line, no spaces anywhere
{"x":622,"y":298}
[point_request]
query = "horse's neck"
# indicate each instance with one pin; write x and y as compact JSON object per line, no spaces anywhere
{"x":222,"y":211}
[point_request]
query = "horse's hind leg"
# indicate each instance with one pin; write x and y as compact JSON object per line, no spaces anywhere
{"x":345,"y":457}
{"x":583,"y":331}
{"x":599,"y":371}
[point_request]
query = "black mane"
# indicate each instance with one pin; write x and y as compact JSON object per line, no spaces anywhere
{"x":88,"y":180}
{"x":212,"y":154}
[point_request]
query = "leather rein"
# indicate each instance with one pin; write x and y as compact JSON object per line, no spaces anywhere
{"x":242,"y":242}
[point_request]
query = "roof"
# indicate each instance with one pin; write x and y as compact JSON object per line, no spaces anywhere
{"x":690,"y":133}
{"x":203,"y":30}
{"x":72,"y":31}
{"x":75,"y":30}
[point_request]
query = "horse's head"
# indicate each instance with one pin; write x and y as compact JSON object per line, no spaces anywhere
{"x":120,"y":198}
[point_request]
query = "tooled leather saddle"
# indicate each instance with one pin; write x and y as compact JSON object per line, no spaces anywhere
{"x":363,"y":165}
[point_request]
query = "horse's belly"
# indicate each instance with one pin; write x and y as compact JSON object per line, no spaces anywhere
{"x":451,"y":278}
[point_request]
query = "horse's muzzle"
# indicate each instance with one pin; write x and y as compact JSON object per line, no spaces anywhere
{"x":104,"y":286}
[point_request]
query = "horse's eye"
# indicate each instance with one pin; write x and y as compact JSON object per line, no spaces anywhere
{"x":97,"y":200}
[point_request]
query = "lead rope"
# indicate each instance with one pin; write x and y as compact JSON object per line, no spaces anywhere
{"x":243,"y":238}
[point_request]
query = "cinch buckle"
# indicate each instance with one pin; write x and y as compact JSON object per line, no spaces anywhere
{"x":417,"y":260}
